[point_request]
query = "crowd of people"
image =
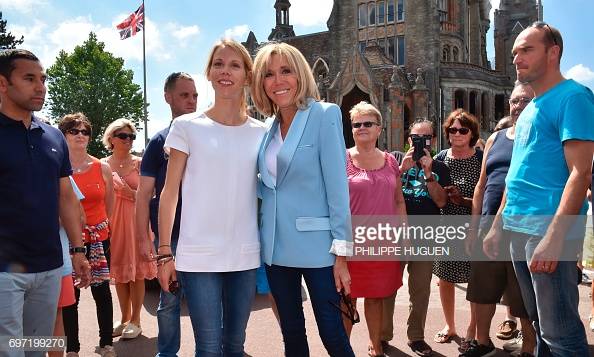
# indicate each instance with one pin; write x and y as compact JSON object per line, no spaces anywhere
{"x":289,"y":191}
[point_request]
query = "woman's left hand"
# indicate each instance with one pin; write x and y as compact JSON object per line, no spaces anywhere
{"x":342,"y":278}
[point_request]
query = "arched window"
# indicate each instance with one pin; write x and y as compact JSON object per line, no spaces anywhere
{"x":455,"y":53}
{"x":445,"y":55}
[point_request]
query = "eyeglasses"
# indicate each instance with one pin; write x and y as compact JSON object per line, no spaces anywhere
{"x":351,"y":311}
{"x":516,"y":101}
{"x":75,"y":132}
{"x":124,"y":136}
{"x":367,"y":124}
{"x":551,"y":34}
{"x":462,"y":131}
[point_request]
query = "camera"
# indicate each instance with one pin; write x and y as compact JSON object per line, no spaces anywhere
{"x":419,"y":143}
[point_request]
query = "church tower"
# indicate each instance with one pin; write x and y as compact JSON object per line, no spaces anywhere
{"x":282,"y":29}
{"x":511,"y":18}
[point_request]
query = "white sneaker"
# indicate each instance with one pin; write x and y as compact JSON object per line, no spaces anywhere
{"x":514,"y":345}
{"x":131,"y":331}
{"x":118,"y":328}
{"x":106,"y":351}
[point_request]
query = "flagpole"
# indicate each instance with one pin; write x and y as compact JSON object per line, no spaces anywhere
{"x":144,"y":74}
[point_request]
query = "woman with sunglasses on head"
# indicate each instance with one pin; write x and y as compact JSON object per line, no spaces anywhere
{"x":464,"y":161}
{"x":94,"y":180}
{"x":305,"y":226}
{"x":218,"y":251}
{"x":128,"y":268}
{"x":375,"y":190}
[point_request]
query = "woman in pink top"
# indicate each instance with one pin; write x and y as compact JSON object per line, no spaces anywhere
{"x":374,"y":186}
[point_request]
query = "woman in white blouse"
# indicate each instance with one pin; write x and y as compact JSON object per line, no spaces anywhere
{"x":215,"y":152}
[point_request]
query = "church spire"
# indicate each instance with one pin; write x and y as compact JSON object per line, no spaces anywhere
{"x":283,"y":29}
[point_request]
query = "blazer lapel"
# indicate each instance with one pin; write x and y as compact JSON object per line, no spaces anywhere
{"x":285,"y":156}
{"x":265,"y":176}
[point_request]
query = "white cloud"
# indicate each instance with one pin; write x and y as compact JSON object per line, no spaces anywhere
{"x":183,"y":32}
{"x":310,"y":12}
{"x":580,"y":73}
{"x":24,"y":6}
{"x":238,"y":32}
{"x":205,"y":92}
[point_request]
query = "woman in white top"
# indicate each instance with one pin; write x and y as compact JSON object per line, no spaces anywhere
{"x":215,"y":153}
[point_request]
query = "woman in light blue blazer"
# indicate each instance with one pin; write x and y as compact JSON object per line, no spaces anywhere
{"x":305,"y":223}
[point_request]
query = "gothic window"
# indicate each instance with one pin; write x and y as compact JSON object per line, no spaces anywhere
{"x":400,"y":60}
{"x":455,"y":53}
{"x":445,"y":56}
{"x":284,"y":17}
{"x":362,"y":15}
{"x":390,"y":11}
{"x":381,"y":12}
{"x":400,"y":10}
{"x":371,"y":14}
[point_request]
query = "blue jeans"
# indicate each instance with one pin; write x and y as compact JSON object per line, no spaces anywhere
{"x":285,"y":284}
{"x":219,"y":306}
{"x":168,"y":318}
{"x":29,"y":305}
{"x":551,"y":301}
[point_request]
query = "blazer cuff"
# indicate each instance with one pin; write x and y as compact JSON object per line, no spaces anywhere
{"x":341,"y":248}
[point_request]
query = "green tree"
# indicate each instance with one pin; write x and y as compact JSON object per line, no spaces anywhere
{"x":7,"y":40}
{"x":94,"y":82}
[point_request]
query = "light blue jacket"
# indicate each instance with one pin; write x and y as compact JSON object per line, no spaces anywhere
{"x":308,"y":207}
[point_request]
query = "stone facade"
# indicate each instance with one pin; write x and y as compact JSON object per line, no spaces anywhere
{"x":411,"y":58}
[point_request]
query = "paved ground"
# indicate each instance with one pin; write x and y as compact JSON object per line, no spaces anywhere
{"x":264,"y":337}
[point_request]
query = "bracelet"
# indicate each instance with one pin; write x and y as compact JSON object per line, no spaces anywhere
{"x":163,"y":261}
{"x":164,"y":245}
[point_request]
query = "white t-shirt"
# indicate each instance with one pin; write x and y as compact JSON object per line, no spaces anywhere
{"x":219,"y":228}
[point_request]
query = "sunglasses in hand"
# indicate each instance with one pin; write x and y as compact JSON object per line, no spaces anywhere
{"x":351,"y":310}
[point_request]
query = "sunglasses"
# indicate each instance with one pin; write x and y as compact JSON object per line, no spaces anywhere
{"x":75,"y":132}
{"x":551,"y":34}
{"x":462,"y":131}
{"x":517,"y":101}
{"x":174,"y":287}
{"x":351,"y":311}
{"x":367,"y":124}
{"x":124,"y":136}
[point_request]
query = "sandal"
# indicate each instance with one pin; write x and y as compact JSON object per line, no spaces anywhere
{"x":420,"y":348}
{"x":369,"y":349}
{"x":443,"y":337}
{"x":466,"y":344}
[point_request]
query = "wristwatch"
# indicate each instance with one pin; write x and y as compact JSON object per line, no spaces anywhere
{"x":82,"y":249}
{"x":430,"y":178}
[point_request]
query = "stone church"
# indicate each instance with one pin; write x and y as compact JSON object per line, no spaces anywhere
{"x":411,"y":58}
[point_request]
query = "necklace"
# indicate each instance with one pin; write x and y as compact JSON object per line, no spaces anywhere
{"x":80,"y":168}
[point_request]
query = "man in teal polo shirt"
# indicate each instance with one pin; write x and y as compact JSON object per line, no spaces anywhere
{"x":546,"y":187}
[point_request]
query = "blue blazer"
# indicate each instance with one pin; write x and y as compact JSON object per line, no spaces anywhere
{"x":308,"y":206}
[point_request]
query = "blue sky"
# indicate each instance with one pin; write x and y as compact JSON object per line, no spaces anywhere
{"x":180,"y":34}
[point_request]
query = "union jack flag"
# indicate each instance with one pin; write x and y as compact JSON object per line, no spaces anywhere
{"x":132,"y":24}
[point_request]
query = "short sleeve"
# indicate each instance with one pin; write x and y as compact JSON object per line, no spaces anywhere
{"x":576,"y":120}
{"x":66,"y":168}
{"x":154,"y":154}
{"x":393,"y":163}
{"x":177,"y":138}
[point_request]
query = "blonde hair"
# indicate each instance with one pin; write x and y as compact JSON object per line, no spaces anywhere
{"x":306,"y":85}
{"x":364,"y":108}
{"x":247,"y":63}
{"x":116,"y":125}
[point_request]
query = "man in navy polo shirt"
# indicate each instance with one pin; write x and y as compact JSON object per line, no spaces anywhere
{"x":181,"y":95}
{"x":35,"y":191}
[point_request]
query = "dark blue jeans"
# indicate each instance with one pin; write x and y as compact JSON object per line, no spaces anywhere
{"x":168,"y":317}
{"x":551,"y":301}
{"x":219,"y":306}
{"x":285,"y":285}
